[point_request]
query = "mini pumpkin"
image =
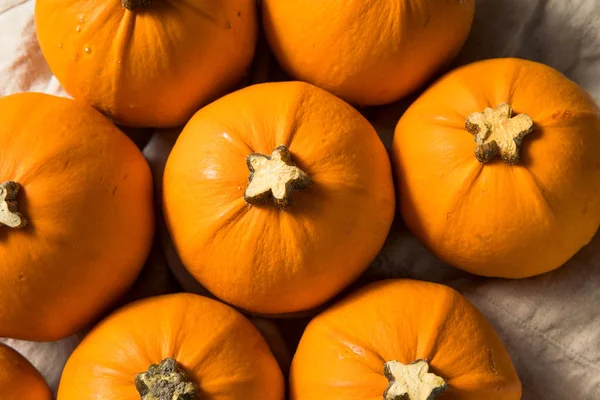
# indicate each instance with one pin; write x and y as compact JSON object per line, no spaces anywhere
{"x":173,"y":347}
{"x":402,"y":339}
{"x":76,"y":216}
{"x":277,"y":196}
{"x":144,"y":62}
{"x":19,"y":379}
{"x":498,"y":168}
{"x":157,"y":152}
{"x":366,"y":52}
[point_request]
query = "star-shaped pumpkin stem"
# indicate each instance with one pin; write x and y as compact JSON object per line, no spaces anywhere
{"x":412,"y":381}
{"x":497,"y":132}
{"x":274,"y":177}
{"x":165,"y":381}
{"x":9,"y":215}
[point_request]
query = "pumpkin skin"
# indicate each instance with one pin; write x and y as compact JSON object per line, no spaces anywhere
{"x":19,"y":379}
{"x":342,"y":353}
{"x":222,"y":352}
{"x":259,"y":257}
{"x":149,"y":66}
{"x":497,"y":219}
{"x":86,"y":192}
{"x":366,"y":52}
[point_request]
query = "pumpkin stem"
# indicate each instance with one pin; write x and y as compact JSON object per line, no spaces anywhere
{"x":133,"y":4}
{"x":497,"y":132}
{"x":9,"y":215}
{"x":412,"y":381}
{"x":274,"y":177}
{"x":165,"y":381}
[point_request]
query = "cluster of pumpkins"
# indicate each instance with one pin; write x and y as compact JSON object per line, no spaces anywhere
{"x":279,"y":195}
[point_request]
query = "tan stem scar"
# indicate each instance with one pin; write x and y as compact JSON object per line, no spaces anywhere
{"x":496,"y":132}
{"x":274,"y":177}
{"x":9,"y":214}
{"x":412,"y":381}
{"x":165,"y":381}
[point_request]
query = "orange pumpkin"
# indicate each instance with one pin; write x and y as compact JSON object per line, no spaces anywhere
{"x":19,"y":379}
{"x":277,"y":196}
{"x":402,"y":339}
{"x":147,"y":63}
{"x":186,"y":343}
{"x":366,"y":52}
{"x":76,"y":217}
{"x":513,"y":191}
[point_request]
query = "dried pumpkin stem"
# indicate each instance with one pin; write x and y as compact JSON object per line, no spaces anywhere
{"x":9,"y":215}
{"x":497,"y":132}
{"x":412,"y":381}
{"x":133,"y":4}
{"x":165,"y":381}
{"x":274,"y":178}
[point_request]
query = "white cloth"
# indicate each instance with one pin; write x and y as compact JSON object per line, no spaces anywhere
{"x":22,"y":65}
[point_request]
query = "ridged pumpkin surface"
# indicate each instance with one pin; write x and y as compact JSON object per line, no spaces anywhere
{"x":342,"y":353}
{"x":366,"y":51}
{"x":86,"y":194}
{"x":150,"y":65}
{"x":495,"y":218}
{"x":218,"y":349}
{"x":258,"y":256}
{"x":19,"y":379}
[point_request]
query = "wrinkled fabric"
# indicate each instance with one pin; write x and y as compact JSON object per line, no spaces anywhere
{"x":22,"y":65}
{"x":49,"y":357}
{"x":562,"y":34}
{"x":551,"y":323}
